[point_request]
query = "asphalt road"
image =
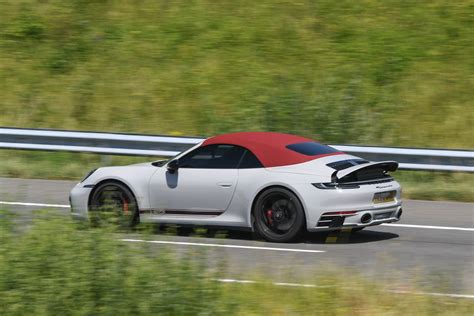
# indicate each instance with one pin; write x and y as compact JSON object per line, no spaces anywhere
{"x":433,"y":244}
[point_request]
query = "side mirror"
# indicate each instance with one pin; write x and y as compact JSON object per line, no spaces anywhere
{"x":173,"y":166}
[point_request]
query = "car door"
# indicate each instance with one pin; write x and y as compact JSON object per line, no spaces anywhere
{"x":204,"y":183}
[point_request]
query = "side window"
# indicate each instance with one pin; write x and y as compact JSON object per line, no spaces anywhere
{"x":250,"y":161}
{"x":213,"y":157}
{"x":198,"y":158}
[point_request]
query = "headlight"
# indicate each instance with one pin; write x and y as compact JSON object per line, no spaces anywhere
{"x":88,"y":175}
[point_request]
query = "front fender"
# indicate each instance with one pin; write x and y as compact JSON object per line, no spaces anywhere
{"x":136,"y":178}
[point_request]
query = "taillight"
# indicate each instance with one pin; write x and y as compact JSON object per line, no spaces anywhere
{"x":332,"y":186}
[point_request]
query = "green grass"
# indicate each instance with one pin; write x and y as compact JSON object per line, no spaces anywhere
{"x":73,"y":166}
{"x":370,"y":72}
{"x":437,"y":186}
{"x":58,"y":268}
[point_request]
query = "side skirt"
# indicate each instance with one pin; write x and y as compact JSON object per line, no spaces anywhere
{"x":181,"y":213}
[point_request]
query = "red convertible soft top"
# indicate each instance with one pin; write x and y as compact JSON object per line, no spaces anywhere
{"x":271,"y":148}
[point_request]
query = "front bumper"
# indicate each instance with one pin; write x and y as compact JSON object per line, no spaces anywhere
{"x":79,"y":200}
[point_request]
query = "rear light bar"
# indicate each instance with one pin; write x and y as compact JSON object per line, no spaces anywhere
{"x":333,"y":186}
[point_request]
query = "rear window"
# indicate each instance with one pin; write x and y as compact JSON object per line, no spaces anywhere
{"x":311,"y":149}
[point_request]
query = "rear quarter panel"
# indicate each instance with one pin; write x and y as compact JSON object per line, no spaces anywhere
{"x":253,"y":181}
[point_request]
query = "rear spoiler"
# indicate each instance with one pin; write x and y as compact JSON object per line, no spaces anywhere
{"x":385,"y":165}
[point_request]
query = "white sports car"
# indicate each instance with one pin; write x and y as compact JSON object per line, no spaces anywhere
{"x":277,"y":185}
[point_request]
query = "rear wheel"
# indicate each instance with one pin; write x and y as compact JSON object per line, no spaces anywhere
{"x":278,"y":215}
{"x":113,"y":203}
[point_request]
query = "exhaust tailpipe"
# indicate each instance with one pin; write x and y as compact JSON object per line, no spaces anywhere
{"x":366,"y":218}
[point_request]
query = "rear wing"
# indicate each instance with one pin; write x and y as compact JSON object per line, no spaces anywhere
{"x":365,"y":172}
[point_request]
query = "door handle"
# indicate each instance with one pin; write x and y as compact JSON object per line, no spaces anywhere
{"x":224,"y":184}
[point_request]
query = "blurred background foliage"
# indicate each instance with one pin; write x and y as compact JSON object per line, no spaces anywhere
{"x":370,"y":72}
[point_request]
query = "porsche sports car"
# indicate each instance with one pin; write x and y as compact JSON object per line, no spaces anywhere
{"x":277,"y":185}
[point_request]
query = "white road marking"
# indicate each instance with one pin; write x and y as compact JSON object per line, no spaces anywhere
{"x":432,"y":294}
{"x":35,"y":204}
{"x":431,"y":227}
{"x":235,"y":281}
{"x":222,"y":245}
{"x":274,"y":283}
{"x":323,"y":286}
{"x":296,"y":284}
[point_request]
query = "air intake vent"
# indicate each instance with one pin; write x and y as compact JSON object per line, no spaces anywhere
{"x":330,"y":221}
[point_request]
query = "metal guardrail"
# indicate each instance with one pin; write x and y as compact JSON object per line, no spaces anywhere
{"x":168,"y":146}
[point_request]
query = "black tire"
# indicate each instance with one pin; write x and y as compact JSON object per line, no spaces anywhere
{"x":113,"y":203}
{"x":278,"y":215}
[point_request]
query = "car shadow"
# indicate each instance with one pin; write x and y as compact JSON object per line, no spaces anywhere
{"x":335,"y":237}
{"x":348,"y":237}
{"x":341,"y":237}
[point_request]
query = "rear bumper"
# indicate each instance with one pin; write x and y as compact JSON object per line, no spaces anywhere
{"x":318,"y":202}
{"x":362,"y":218}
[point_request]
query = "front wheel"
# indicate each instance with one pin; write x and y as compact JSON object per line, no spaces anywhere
{"x":278,"y":215}
{"x":113,"y":203}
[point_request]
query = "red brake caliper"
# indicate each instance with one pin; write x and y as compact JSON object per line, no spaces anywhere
{"x":125,"y":207}
{"x":269,"y":214}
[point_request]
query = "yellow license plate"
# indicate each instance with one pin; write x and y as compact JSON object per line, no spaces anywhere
{"x":384,"y":197}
